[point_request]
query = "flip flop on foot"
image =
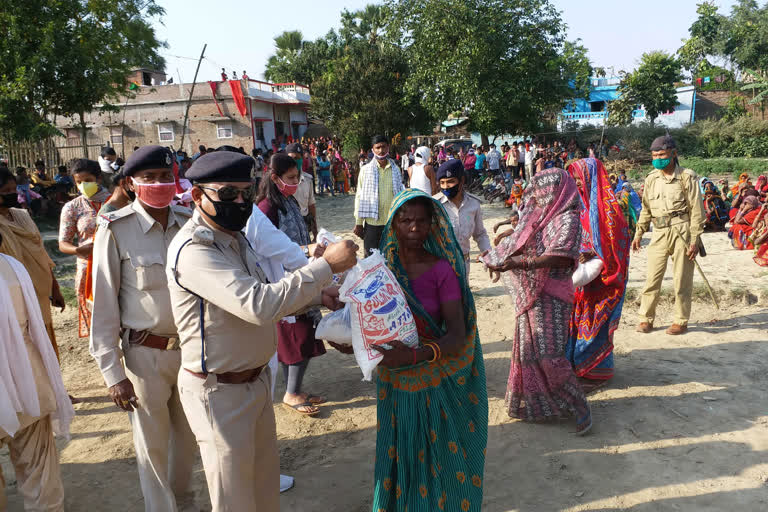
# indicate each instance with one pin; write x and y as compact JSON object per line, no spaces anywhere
{"x":304,"y":408}
{"x":314,"y":399}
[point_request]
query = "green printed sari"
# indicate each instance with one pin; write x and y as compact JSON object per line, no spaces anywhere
{"x":432,"y":426}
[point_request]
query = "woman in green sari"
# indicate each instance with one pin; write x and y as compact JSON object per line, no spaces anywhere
{"x":432,"y":400}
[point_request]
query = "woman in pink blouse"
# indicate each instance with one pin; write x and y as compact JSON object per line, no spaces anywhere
{"x":77,"y":227}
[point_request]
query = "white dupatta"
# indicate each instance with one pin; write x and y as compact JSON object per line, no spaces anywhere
{"x":18,"y":391}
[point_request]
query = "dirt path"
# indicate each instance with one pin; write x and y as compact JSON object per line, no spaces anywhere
{"x":683,"y":426}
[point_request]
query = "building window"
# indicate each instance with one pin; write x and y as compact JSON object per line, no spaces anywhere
{"x":258,"y":129}
{"x":224,"y":130}
{"x":116,"y":134}
{"x":165,"y":132}
{"x":73,"y":136}
{"x":597,"y":106}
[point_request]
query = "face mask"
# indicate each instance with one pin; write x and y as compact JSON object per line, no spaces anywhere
{"x":10,"y":200}
{"x":450,"y":193}
{"x":661,"y":163}
{"x":155,"y":195}
{"x":288,"y":190}
{"x":230,"y":215}
{"x":88,"y":188}
{"x":130,"y":193}
{"x":382,"y":157}
{"x":299,"y":163}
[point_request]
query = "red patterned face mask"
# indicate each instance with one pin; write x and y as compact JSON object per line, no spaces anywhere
{"x":155,"y":195}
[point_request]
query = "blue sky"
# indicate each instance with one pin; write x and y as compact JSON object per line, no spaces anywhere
{"x":239,"y":33}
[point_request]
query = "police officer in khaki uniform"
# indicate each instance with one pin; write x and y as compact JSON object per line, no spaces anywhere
{"x":672,"y":201}
{"x":132,"y":307}
{"x":226,"y":312}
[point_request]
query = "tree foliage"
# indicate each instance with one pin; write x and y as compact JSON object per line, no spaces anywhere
{"x":362,"y":90}
{"x":357,"y":76}
{"x":502,"y":62}
{"x":740,"y":38}
{"x":64,"y":57}
{"x":651,"y":85}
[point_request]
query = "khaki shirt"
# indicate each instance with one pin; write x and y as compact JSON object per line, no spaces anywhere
{"x":664,"y":195}
{"x":223,"y":307}
{"x":130,"y":289}
{"x":305,"y":194}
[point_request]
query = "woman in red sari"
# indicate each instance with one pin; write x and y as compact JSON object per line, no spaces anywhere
{"x":760,"y":236}
{"x":598,"y":303}
{"x":743,"y":223}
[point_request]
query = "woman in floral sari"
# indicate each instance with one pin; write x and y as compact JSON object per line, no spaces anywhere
{"x":598,"y":303}
{"x":77,"y":226}
{"x":541,"y":255}
{"x":742,"y":228}
{"x":432,"y":402}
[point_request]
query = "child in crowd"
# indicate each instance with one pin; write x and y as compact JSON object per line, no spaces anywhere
{"x":513,"y":219}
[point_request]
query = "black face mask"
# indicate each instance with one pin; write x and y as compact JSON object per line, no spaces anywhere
{"x":230,"y":215}
{"x":10,"y":200}
{"x":130,"y":193}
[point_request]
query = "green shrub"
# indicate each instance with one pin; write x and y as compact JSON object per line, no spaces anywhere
{"x":725,"y":166}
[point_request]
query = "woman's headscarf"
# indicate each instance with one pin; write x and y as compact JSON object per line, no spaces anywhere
{"x":602,"y":220}
{"x":761,"y":185}
{"x":743,"y":178}
{"x":422,"y":154}
{"x":549,"y":225}
{"x":752,"y":201}
{"x":441,"y":243}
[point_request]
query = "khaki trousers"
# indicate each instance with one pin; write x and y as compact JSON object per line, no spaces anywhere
{"x":666,"y":243}
{"x":164,"y":443}
{"x":36,"y":462}
{"x":235,"y":429}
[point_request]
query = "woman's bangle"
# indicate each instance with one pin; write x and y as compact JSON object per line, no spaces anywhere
{"x":434,"y":348}
{"x":413,"y":350}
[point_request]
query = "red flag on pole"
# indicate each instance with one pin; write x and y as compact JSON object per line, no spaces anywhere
{"x":213,"y":90}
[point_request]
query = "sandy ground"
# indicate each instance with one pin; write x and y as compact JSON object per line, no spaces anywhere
{"x":683,"y":426}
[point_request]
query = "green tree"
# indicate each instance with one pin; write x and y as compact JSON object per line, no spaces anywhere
{"x":746,"y":36}
{"x":706,"y":37}
{"x":362,"y":90}
{"x":503,"y":62}
{"x":64,"y":57}
{"x":651,"y":85}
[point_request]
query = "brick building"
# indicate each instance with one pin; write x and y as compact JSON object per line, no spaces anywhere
{"x":155,"y":115}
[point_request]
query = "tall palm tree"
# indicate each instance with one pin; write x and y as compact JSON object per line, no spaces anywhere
{"x":287,"y":47}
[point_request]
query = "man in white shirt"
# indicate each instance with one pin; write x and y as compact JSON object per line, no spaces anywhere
{"x":530,"y":155}
{"x":493,"y":158}
{"x":462,"y":208}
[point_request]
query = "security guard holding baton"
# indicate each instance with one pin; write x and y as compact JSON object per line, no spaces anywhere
{"x":226,"y":312}
{"x":672,"y":201}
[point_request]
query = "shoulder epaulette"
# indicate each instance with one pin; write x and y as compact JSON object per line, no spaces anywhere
{"x":104,"y":220}
{"x":202,"y":235}
{"x":181,"y":210}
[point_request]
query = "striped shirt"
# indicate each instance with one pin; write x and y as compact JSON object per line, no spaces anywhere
{"x":386,"y":196}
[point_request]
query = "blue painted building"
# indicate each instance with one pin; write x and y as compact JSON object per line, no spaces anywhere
{"x":593,"y":110}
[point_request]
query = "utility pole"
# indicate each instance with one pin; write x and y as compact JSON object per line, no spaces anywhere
{"x":189,"y":101}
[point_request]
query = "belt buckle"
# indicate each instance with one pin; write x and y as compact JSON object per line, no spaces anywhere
{"x":173,"y":344}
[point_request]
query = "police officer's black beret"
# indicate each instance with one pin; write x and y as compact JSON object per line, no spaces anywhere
{"x":148,"y":157}
{"x":662,"y":143}
{"x":221,"y":166}
{"x":294,"y":148}
{"x":450,"y":169}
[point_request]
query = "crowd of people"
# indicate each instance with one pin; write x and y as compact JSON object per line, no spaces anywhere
{"x":198,"y":277}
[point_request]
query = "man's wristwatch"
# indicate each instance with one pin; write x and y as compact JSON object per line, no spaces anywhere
{"x":306,"y":250}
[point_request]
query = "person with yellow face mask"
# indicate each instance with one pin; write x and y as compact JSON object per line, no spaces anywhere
{"x":77,"y":227}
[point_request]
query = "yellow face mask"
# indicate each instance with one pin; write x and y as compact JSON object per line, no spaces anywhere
{"x":88,"y":188}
